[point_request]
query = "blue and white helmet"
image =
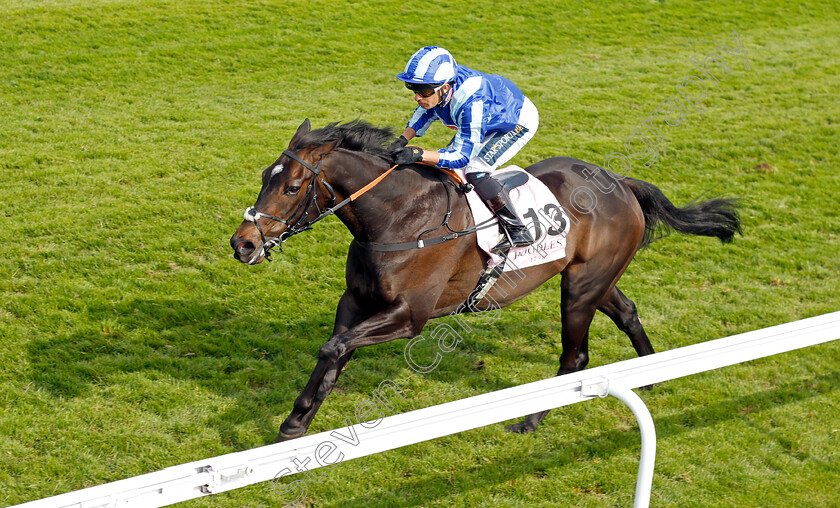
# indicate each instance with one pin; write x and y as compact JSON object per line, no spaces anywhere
{"x":429,"y":65}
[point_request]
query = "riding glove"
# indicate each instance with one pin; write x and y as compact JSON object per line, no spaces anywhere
{"x":407,"y":155}
{"x":397,"y":144}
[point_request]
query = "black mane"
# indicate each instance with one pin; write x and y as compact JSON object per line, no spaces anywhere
{"x":358,"y":136}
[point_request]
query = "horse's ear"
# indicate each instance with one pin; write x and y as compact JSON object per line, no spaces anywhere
{"x":319,"y":152}
{"x":304,"y":128}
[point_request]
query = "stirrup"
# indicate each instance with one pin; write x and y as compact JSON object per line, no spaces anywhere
{"x":508,"y":242}
{"x":503,"y":247}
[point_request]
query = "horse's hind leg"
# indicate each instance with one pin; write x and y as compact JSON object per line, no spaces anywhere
{"x":581,"y":293}
{"x":623,"y":312}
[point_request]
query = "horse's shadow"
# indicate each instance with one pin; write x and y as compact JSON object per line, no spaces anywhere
{"x":603,"y":444}
{"x":260,"y":362}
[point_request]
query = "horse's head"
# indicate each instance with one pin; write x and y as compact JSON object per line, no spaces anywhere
{"x":287,"y":201}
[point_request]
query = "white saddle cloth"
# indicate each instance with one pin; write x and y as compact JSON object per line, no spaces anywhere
{"x":541,"y":213}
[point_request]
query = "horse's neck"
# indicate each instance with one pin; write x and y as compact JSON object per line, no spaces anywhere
{"x":390,"y":211}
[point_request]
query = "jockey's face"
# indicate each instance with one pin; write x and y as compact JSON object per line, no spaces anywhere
{"x":432,"y":100}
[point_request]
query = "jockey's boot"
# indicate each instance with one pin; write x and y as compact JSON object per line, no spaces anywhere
{"x":497,"y":200}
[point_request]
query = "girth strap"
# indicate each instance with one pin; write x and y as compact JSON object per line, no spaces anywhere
{"x":419,"y":244}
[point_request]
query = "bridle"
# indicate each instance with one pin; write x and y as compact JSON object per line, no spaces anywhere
{"x":294,"y":226}
{"x":299,"y":225}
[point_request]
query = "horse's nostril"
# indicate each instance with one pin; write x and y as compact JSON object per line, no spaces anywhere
{"x":241,"y":247}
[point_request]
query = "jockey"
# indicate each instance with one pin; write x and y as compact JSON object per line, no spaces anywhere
{"x":493,"y":119}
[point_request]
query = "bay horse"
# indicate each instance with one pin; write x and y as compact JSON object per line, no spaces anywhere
{"x":392,"y":294}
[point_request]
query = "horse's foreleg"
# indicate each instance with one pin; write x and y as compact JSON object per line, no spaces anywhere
{"x":395,"y":322}
{"x":307,"y":405}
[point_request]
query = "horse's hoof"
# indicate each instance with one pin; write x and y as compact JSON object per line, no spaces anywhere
{"x":520,"y":428}
{"x":283,"y":436}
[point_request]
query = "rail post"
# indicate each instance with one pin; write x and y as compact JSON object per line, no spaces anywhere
{"x":602,"y":387}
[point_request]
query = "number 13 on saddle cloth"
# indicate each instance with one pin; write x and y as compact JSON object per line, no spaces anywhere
{"x":539,"y":210}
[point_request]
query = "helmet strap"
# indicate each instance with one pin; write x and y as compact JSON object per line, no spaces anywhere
{"x":446,"y":97}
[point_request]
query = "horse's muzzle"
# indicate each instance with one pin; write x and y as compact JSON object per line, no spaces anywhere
{"x":245,"y":250}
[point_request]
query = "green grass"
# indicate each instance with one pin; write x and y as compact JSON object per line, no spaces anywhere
{"x":132,"y":138}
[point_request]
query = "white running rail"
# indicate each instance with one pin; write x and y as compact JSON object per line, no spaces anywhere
{"x":232,"y":471}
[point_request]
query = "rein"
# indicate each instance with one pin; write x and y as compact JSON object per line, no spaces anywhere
{"x":252,"y":215}
{"x":428,"y":242}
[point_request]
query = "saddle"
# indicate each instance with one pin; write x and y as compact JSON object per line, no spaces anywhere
{"x":508,"y":180}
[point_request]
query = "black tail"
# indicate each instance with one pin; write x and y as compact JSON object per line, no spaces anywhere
{"x":715,"y":217}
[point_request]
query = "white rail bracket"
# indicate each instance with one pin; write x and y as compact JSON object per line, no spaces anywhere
{"x":597,"y":387}
{"x":225,"y":479}
{"x":213,"y":482}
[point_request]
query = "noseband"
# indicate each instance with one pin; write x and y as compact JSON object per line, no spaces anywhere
{"x":299,"y":225}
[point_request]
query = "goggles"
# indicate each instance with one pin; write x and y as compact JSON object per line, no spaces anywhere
{"x":425,"y":90}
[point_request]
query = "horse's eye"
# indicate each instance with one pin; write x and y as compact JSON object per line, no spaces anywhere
{"x":292,"y":190}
